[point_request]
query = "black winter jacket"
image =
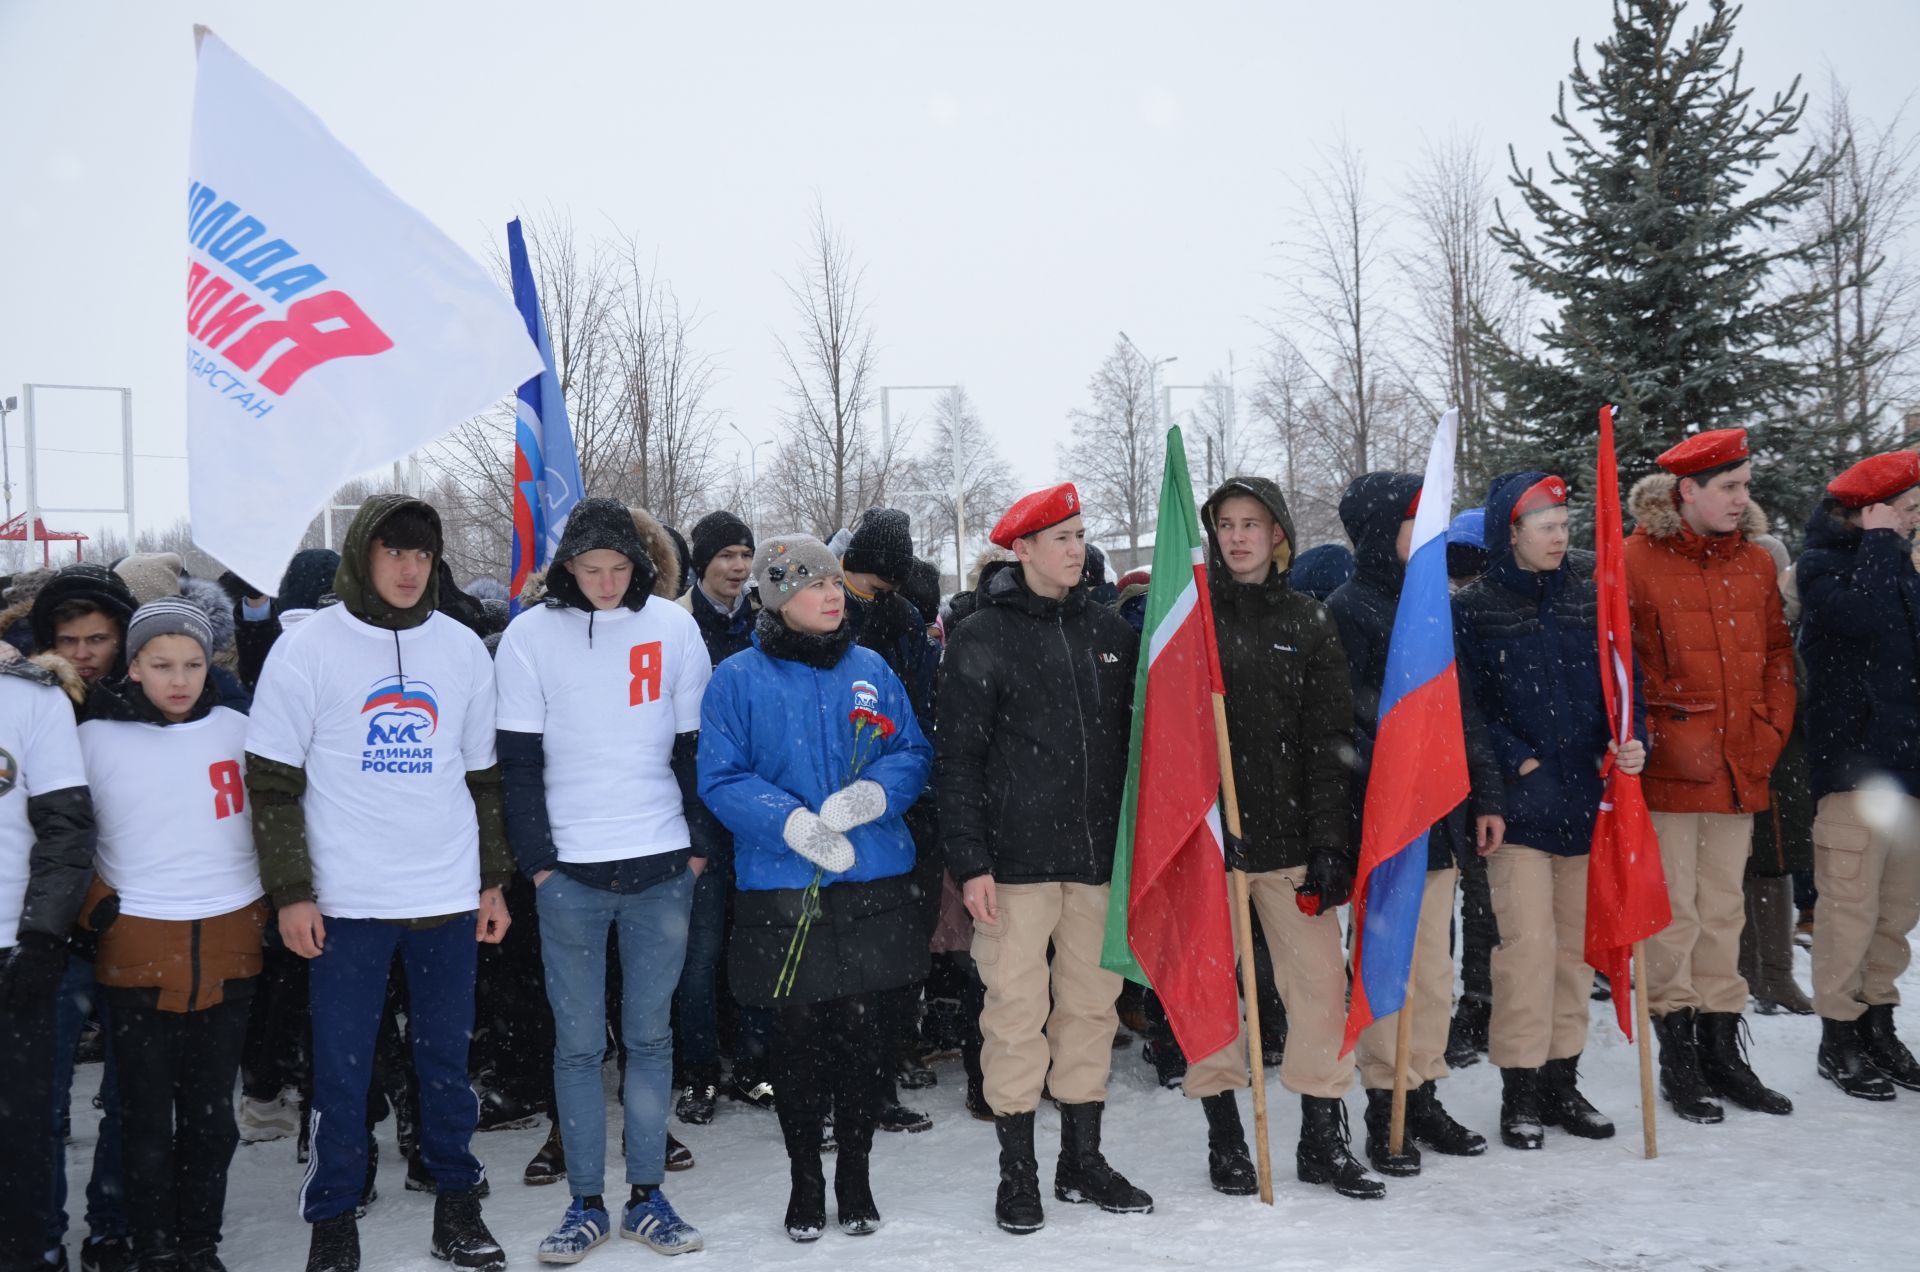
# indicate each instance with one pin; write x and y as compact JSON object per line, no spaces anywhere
{"x":1289,"y":704}
{"x":1373,"y":509}
{"x":1860,"y":636}
{"x":1036,"y":709}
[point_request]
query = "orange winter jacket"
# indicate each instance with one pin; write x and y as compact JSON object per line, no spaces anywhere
{"x":1716,"y":658}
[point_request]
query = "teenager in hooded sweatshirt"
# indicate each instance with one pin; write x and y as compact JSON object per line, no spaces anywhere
{"x":1526,"y":640}
{"x":1377,"y":511}
{"x":810,"y":754}
{"x":377,"y":818}
{"x":46,"y":857}
{"x":721,"y":602}
{"x":599,"y":713}
{"x":1716,"y":667}
{"x":1036,"y":706}
{"x":1290,"y":718}
{"x":1860,"y":635}
{"x":178,"y":910}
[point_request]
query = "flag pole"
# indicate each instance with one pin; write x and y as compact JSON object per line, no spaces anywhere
{"x":1402,"y":1060}
{"x":1249,"y":979}
{"x":1646,"y":1048}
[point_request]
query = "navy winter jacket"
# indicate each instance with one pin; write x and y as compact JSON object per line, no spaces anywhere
{"x":1527,"y":644}
{"x":1860,"y":639}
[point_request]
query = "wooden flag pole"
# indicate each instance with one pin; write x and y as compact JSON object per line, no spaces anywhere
{"x":1402,"y":1060}
{"x":1249,"y":983}
{"x":1643,"y":1028}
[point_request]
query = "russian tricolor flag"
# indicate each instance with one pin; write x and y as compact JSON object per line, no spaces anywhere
{"x":1419,"y":771}
{"x":546,"y":470}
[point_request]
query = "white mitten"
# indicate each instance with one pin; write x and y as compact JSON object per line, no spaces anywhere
{"x":854,"y":805}
{"x":811,"y":838}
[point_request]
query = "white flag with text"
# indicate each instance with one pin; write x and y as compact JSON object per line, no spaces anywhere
{"x":331,"y":328}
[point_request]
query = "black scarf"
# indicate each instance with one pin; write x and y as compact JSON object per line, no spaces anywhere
{"x":126,"y":701}
{"x":824,"y":653}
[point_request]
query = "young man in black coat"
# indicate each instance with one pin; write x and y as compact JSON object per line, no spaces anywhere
{"x":1036,"y":708}
{"x":1860,"y":635}
{"x":1290,"y":719}
{"x":1377,"y":511}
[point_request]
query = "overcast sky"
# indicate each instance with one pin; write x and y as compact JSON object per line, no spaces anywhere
{"x":1020,"y":180}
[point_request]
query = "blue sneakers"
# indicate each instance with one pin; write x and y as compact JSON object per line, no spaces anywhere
{"x":654,"y":1222}
{"x":584,"y":1228}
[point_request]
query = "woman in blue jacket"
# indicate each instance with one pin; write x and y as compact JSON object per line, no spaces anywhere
{"x":1527,"y":642}
{"x":810,"y":754}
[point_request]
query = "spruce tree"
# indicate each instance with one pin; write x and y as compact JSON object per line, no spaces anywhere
{"x":1657,"y":253}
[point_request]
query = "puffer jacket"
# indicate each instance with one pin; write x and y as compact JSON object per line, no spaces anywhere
{"x":1289,"y":702}
{"x":1716,"y":659}
{"x":776,"y":735}
{"x":1036,"y":710}
{"x":1372,"y":510}
{"x":1527,"y":646}
{"x":1860,"y":636}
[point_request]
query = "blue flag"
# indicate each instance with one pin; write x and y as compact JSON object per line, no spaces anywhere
{"x":546,"y":472}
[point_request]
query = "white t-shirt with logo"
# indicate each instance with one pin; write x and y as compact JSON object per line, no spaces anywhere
{"x":39,"y":754}
{"x":387,"y":726}
{"x":609,"y":711}
{"x":176,"y":840}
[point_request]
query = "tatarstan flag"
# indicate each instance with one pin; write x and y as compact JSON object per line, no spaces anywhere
{"x":1168,"y":925}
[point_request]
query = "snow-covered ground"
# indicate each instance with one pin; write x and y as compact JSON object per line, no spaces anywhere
{"x":1834,"y":1186}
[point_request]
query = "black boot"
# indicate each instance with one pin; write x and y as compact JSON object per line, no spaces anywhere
{"x":1770,"y":916}
{"x":1083,"y":1175}
{"x":1723,"y":1063}
{"x":1565,"y":1107}
{"x":1884,"y":1048}
{"x":1016,"y":1207}
{"x":460,"y":1236}
{"x":335,"y":1245}
{"x":1681,"y":1082}
{"x":1521,"y":1122}
{"x":549,"y":1165}
{"x":1467,"y":1035}
{"x":1403,"y":1164}
{"x":697,"y":1097}
{"x":1431,"y":1124}
{"x":807,"y":1200}
{"x":1324,"y":1156}
{"x":853,"y":1193}
{"x":1843,"y":1062}
{"x":977,"y":1107}
{"x":1229,"y":1168}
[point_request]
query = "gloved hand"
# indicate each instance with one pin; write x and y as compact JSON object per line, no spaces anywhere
{"x":855,"y":804}
{"x":31,"y":975}
{"x":1329,"y":883}
{"x":813,"y":839}
{"x":1236,"y":850}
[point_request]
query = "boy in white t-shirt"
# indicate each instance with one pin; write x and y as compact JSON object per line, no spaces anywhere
{"x":178,"y":909}
{"x":599,"y":717}
{"x":376,"y":813}
{"x":46,"y":857}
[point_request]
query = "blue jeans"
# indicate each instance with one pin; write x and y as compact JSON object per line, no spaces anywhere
{"x":348,"y":987}
{"x":106,"y":1197}
{"x":574,"y":921}
{"x":698,"y":995}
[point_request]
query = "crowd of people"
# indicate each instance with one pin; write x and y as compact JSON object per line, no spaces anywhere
{"x":767,"y":821}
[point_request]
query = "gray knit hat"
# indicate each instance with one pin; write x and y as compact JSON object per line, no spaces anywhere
{"x":784,"y":565}
{"x":169,"y":616}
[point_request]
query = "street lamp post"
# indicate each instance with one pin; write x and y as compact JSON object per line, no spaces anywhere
{"x":753,"y":477}
{"x":7,"y":406}
{"x":1153,"y":380}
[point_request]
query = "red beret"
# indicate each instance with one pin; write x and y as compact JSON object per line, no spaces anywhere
{"x":1548,"y":492}
{"x":1036,"y":512}
{"x":1704,"y":452}
{"x":1876,"y":479}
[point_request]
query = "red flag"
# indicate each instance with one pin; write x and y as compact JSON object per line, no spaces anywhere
{"x":1626,"y":888}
